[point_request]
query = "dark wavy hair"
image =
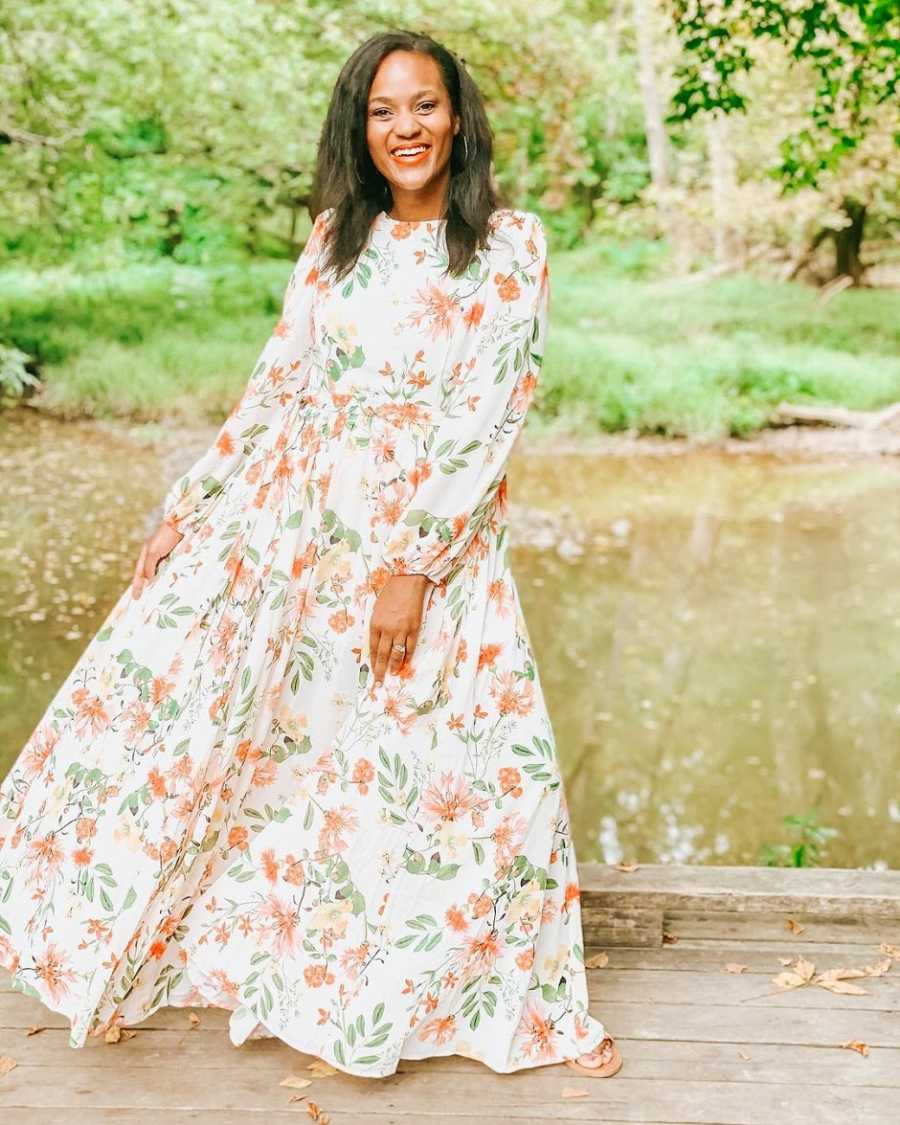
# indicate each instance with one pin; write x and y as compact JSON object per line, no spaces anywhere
{"x":347,"y":179}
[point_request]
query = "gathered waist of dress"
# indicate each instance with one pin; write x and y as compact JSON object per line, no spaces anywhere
{"x":363,"y":403}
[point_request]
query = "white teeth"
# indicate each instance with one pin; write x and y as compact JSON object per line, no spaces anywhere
{"x":409,"y":151}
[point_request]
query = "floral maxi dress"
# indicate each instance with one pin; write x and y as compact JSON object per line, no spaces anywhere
{"x":219,"y":807}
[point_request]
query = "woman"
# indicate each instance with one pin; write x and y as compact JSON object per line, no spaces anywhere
{"x":305,"y":771}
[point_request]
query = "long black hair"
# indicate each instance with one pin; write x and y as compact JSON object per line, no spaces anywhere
{"x":347,"y":179}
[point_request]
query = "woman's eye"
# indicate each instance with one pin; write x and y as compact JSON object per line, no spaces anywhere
{"x":383,"y":111}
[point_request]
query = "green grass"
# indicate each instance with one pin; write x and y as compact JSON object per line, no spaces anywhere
{"x":148,"y":343}
{"x":707,"y":361}
{"x":625,"y":352}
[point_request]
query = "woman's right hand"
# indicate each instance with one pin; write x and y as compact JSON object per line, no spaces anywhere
{"x":154,"y":550}
{"x":396,"y":618}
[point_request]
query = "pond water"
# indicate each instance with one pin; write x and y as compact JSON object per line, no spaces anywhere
{"x":717,"y":635}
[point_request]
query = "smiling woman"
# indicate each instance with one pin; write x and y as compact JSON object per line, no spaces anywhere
{"x":410,"y":137}
{"x":226,"y":802}
{"x":396,"y":93}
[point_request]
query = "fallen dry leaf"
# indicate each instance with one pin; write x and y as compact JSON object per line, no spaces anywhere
{"x":802,"y":973}
{"x":6,"y":1064}
{"x":841,"y":987}
{"x":193,"y":1020}
{"x":321,"y":1069}
{"x":297,"y":1098}
{"x":856,"y":1045}
{"x":842,"y":974}
{"x":295,"y":1082}
{"x":34,"y":1029}
{"x":598,"y":961}
{"x":733,"y":967}
{"x":571,"y":1092}
{"x":837,"y":981}
{"x":669,"y":939}
{"x":316,"y":1114}
{"x":879,"y":968}
{"x":746,"y":1058}
{"x":795,"y":927}
{"x":627,"y":867}
{"x":113,"y":1034}
{"x":789,"y":980}
{"x":785,"y":960}
{"x":890,"y":950}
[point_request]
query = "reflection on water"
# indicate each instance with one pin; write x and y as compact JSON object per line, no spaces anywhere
{"x":73,"y":512}
{"x":718,"y":636}
{"x":720,"y":645}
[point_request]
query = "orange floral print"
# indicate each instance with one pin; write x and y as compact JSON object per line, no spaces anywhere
{"x":220,"y":807}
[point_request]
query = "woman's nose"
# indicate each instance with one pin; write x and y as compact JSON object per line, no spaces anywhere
{"x":406,"y":125}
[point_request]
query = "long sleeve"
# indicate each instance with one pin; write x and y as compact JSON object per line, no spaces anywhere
{"x":279,"y":374}
{"x":456,"y":485}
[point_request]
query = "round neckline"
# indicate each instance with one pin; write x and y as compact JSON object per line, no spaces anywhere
{"x":408,"y":222}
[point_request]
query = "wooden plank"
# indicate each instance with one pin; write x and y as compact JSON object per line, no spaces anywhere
{"x":17,"y":1010}
{"x":528,"y":1095}
{"x":823,"y":891}
{"x":690,"y":955}
{"x":129,"y":1116}
{"x":727,"y":1024}
{"x":759,"y":1062}
{"x":639,"y":986}
{"x":271,"y":1060}
{"x":629,"y":926}
{"x":709,"y":1023}
{"x":761,"y":926}
{"x":759,"y":957}
{"x":840,"y":1020}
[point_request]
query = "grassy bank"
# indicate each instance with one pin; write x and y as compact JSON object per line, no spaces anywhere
{"x":163,"y":341}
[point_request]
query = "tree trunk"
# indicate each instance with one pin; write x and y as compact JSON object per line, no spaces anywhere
{"x":614,"y":34}
{"x":657,"y":138}
{"x":723,"y":182}
{"x":848,"y":242}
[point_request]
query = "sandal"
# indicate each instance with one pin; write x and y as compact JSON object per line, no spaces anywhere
{"x":612,"y":1065}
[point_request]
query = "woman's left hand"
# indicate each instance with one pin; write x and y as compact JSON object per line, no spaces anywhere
{"x":396,"y":618}
{"x":156,"y":547}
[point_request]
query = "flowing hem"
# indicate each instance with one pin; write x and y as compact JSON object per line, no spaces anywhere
{"x":244,"y":1024}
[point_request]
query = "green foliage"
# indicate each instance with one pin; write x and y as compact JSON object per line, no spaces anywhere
{"x":146,"y":341}
{"x":139,"y":129}
{"x":808,"y":847}
{"x":133,"y":131}
{"x":852,"y":46}
{"x":189,"y":130}
{"x":624,"y":353}
{"x":15,"y":377}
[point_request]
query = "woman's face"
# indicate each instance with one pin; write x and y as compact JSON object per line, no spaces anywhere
{"x":410,"y":124}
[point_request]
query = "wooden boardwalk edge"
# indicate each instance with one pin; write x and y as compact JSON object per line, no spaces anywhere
{"x":635,"y":908}
{"x":706,"y":1033}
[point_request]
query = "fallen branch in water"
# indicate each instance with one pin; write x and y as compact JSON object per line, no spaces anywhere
{"x":887,"y":418}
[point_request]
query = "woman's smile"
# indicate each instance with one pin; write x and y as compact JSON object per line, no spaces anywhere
{"x":410,"y":128}
{"x":410,"y":154}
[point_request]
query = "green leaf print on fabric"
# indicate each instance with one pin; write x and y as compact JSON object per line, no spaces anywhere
{"x":220,"y":807}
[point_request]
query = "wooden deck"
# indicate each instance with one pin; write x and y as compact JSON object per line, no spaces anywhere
{"x":701,"y":1043}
